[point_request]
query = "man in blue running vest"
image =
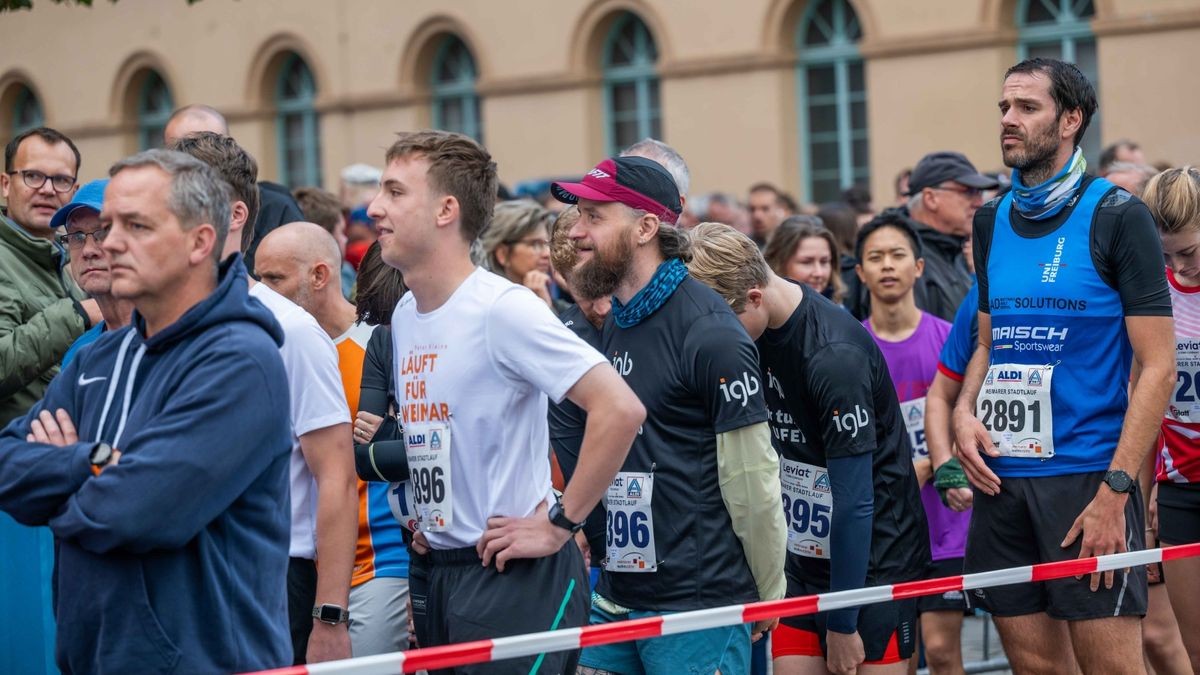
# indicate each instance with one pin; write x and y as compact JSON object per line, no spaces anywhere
{"x":1049,"y":432}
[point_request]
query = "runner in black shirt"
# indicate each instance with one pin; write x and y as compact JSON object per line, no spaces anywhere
{"x":854,"y":512}
{"x":567,"y":420}
{"x":693,"y":517}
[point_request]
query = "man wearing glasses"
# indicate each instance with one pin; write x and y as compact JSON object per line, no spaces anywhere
{"x":89,"y":265}
{"x":944,"y":192}
{"x":41,"y":311}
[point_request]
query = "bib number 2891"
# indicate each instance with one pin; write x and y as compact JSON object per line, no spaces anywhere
{"x":1014,"y":406}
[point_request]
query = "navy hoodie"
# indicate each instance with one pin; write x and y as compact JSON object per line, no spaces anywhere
{"x":175,"y":559}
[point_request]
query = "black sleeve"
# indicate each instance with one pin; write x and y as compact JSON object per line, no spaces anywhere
{"x":981,"y":245}
{"x":1128,"y":255}
{"x":843,"y":399}
{"x":376,"y":390}
{"x":723,"y":364}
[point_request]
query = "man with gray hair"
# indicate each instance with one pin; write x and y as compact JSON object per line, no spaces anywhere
{"x":655,"y":150}
{"x":168,"y":526}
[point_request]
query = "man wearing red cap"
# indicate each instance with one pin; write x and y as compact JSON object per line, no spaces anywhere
{"x":693,"y":516}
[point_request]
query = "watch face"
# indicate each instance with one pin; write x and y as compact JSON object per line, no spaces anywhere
{"x":330,"y":614}
{"x":1119,"y":481}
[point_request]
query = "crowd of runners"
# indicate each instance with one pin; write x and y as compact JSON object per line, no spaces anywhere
{"x":627,"y":405}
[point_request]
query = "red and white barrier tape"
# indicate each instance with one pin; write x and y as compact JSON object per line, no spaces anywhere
{"x":482,"y":651}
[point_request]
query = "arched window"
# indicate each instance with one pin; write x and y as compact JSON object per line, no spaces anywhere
{"x":1061,"y":29}
{"x":631,"y":100}
{"x":153,"y":110}
{"x":452,"y":84}
{"x":296,"y":124}
{"x":26,"y":111}
{"x":832,"y":101}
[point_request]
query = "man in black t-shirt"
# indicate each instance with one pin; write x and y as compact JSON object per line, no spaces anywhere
{"x":693,"y":517}
{"x":849,"y":492}
{"x":585,"y":318}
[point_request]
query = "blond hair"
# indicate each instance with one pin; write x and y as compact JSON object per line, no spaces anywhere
{"x":1174,"y":199}
{"x":563,"y":255}
{"x":727,"y":261}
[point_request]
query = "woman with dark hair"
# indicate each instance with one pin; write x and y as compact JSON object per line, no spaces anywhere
{"x":803,"y":249}
{"x":379,"y":588}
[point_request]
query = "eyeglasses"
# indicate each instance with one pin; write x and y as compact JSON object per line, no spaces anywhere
{"x":75,"y":240}
{"x":538,"y":245}
{"x":36,"y":179}
{"x":970,"y":192}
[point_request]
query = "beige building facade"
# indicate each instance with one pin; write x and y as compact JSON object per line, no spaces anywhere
{"x":809,"y":94}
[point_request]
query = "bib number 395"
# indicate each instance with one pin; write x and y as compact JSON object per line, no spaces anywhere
{"x":630,"y":522}
{"x":428,"y":448}
{"x":807,"y":507}
{"x":1014,"y":406}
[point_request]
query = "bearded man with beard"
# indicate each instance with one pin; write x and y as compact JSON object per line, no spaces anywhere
{"x":1071,"y":292}
{"x":694,"y":516}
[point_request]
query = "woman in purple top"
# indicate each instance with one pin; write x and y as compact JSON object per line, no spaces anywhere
{"x":889,"y":255}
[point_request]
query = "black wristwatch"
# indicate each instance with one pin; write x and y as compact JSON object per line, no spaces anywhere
{"x":331,"y":614}
{"x":1120,"y":482}
{"x":559,"y":517}
{"x":100,"y":456}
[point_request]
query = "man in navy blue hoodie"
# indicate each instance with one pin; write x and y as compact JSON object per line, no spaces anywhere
{"x":159,"y":456}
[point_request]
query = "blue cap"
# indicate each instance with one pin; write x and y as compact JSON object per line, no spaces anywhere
{"x":91,"y":195}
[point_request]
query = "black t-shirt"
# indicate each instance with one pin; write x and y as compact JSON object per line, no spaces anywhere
{"x":829,"y":395}
{"x":567,"y":422}
{"x":696,"y":371}
{"x":1124,"y":246}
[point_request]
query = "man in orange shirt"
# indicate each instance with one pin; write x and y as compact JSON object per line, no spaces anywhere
{"x":301,"y":261}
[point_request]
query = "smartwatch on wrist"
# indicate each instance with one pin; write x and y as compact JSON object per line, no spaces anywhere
{"x":331,"y":614}
{"x":559,"y":517}
{"x":1120,"y":482}
{"x":100,"y":456}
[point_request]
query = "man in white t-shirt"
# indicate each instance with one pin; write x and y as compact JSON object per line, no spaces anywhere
{"x":324,"y":498}
{"x":476,"y":357}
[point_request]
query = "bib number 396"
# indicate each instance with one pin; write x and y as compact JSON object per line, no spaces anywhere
{"x":428,"y":448}
{"x":630,"y":522}
{"x":1014,"y":406}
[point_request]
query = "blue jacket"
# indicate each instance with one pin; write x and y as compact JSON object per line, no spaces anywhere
{"x":175,"y":559}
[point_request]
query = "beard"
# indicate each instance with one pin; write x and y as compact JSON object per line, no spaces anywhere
{"x":1035,"y":154}
{"x":600,"y":276}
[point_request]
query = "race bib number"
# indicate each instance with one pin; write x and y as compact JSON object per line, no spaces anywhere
{"x":428,"y":448}
{"x":400,"y":500}
{"x":630,"y":523}
{"x":914,"y":420}
{"x":807,"y":507}
{"x":1185,"y":401}
{"x":1014,"y":406}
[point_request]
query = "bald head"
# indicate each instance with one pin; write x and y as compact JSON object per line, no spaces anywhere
{"x":193,"y":119}
{"x":301,"y":261}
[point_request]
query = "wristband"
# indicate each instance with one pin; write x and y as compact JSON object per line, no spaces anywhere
{"x":949,"y":476}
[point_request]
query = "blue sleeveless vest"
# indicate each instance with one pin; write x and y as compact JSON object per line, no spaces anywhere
{"x":1049,"y":306}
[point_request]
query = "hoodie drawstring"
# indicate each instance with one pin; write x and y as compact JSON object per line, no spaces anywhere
{"x":112,"y":388}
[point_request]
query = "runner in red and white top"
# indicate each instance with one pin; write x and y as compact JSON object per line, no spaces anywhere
{"x":1174,"y":200}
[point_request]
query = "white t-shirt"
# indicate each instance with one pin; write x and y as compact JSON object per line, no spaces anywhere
{"x":488,"y":357}
{"x":318,"y":401}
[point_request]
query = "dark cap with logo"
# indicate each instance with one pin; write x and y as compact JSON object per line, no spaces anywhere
{"x":636,"y":182}
{"x":938,"y":167}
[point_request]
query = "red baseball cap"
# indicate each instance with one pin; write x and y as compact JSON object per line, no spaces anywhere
{"x":636,"y":182}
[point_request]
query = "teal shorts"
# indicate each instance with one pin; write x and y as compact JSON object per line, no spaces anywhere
{"x":701,"y":652}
